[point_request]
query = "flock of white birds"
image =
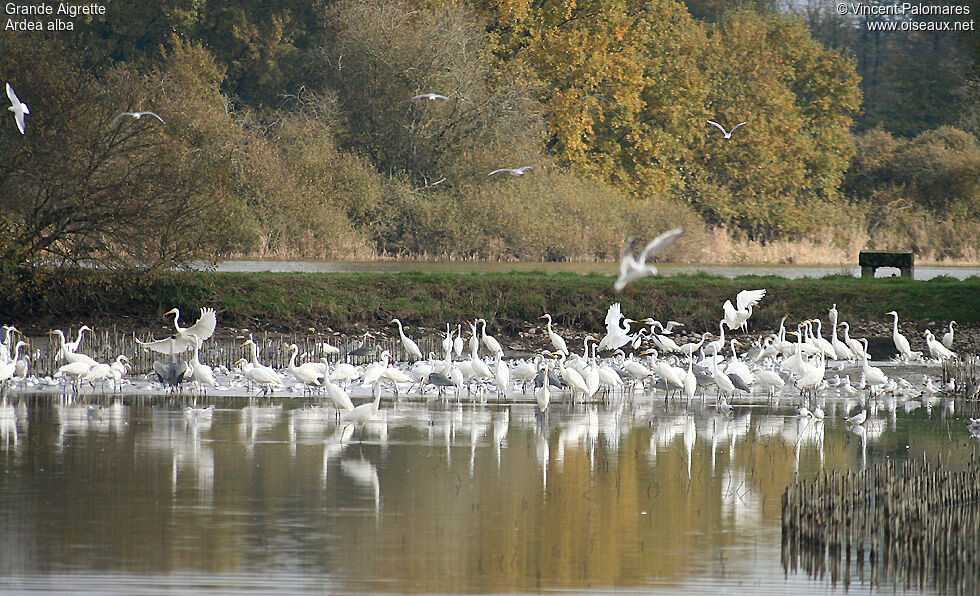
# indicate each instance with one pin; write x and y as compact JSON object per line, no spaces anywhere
{"x":643,"y":357}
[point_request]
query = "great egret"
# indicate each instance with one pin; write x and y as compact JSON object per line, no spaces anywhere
{"x":181,"y":341}
{"x":543,"y":394}
{"x":265,"y":376}
{"x":18,"y":108}
{"x":745,"y":300}
{"x":341,"y":400}
{"x":501,"y":377}
{"x":489,"y":341}
{"x":69,"y":355}
{"x":616,"y":335}
{"x":8,"y":368}
{"x":512,"y":171}
{"x":901,"y":342}
{"x":135,"y":116}
{"x":364,"y":412}
{"x":72,"y":346}
{"x":411,"y":348}
{"x":556,"y":340}
{"x":430,"y":96}
{"x":120,"y":368}
{"x":447,"y":342}
{"x":201,"y":373}
{"x":631,"y":269}
{"x":308,"y":374}
{"x":873,"y":375}
{"x":572,"y":378}
{"x":856,"y":348}
{"x":938,"y":350}
{"x":727,"y":133}
{"x":458,"y":341}
{"x":841,"y":350}
{"x":948,"y":336}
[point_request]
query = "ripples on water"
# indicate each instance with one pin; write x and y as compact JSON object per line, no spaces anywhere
{"x":135,"y":494}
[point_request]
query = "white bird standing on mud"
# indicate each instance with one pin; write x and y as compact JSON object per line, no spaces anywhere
{"x":556,"y":340}
{"x":631,"y":269}
{"x":901,"y":342}
{"x":410,"y":346}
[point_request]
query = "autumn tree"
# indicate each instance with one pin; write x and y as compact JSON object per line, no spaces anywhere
{"x":376,"y":56}
{"x":86,"y":185}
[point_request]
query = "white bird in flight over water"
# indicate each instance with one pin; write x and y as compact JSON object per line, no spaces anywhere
{"x":431,"y":96}
{"x":727,"y":133}
{"x":512,"y":171}
{"x":18,"y":108}
{"x":631,"y":269}
{"x":137,"y":116}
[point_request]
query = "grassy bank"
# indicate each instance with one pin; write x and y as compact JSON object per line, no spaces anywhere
{"x":346,"y":302}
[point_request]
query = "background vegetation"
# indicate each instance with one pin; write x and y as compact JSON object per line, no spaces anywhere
{"x":291,"y":132}
{"x":294,"y":302}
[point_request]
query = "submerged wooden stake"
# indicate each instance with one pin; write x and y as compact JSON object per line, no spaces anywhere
{"x":916,"y":523}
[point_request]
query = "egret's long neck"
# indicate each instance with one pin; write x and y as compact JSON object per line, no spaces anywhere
{"x":176,"y":317}
{"x":255,"y":353}
{"x":895,"y":325}
{"x":292,"y":358}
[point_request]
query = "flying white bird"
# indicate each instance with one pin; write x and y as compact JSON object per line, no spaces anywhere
{"x":17,"y":107}
{"x":181,"y":341}
{"x":136,"y":115}
{"x":727,"y":133}
{"x":431,"y":96}
{"x":631,"y":269}
{"x":512,"y":171}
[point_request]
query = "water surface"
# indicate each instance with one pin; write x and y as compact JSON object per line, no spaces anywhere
{"x":787,"y":271}
{"x":133,"y":494}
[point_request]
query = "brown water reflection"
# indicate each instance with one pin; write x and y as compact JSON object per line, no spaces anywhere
{"x":432,"y":498}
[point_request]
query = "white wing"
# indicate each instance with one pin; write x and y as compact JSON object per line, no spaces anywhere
{"x":659,"y":244}
{"x":718,"y":126}
{"x":11,"y":95}
{"x":116,"y":119}
{"x":747,"y":297}
{"x":19,"y":117}
{"x":204,"y":327}
{"x":730,"y":313}
{"x":163,"y":346}
{"x":523,"y":169}
{"x":152,"y":114}
{"x":613,"y":315}
{"x":737,"y":125}
{"x":499,"y":171}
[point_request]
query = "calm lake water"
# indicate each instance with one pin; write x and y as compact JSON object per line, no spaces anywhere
{"x":787,"y":271}
{"x":133,"y":495}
